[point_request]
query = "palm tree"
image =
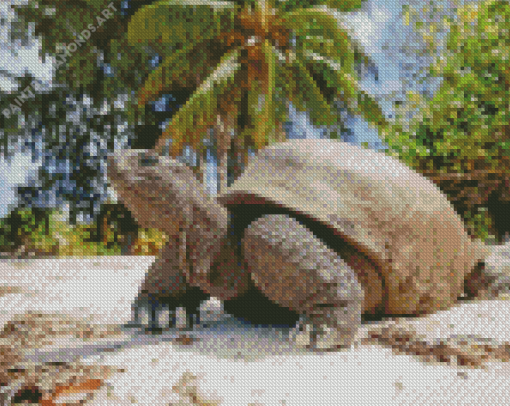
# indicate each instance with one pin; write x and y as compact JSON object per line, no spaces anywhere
{"x":247,"y":59}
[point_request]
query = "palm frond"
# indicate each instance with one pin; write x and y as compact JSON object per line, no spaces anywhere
{"x":320,"y":32}
{"x":357,"y":101}
{"x":340,"y":5}
{"x":306,"y":95}
{"x":174,"y":24}
{"x":200,"y":113}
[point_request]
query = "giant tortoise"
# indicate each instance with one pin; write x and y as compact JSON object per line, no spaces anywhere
{"x":328,"y":230}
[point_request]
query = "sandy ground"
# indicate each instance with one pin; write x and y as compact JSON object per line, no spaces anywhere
{"x":228,"y":363}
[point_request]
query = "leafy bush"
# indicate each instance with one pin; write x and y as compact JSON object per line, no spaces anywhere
{"x":466,"y":126}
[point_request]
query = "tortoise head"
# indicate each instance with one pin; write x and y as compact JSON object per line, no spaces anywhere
{"x":163,"y":193}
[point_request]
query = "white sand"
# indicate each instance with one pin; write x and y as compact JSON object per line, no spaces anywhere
{"x":239,"y":365}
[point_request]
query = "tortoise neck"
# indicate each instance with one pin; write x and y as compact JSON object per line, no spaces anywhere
{"x":205,"y":232}
{"x":206,"y":226}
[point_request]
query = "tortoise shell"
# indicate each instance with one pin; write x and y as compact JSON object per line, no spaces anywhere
{"x":405,"y":241}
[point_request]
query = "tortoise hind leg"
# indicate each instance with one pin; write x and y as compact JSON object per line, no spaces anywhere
{"x":295,"y":269}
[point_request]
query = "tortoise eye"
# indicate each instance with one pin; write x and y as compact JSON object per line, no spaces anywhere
{"x":148,"y":160}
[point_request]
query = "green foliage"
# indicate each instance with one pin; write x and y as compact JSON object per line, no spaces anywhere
{"x":24,"y":227}
{"x":271,"y":69}
{"x":27,"y":221}
{"x":340,"y":5}
{"x":306,"y":95}
{"x":61,"y":23}
{"x":478,"y":223}
{"x":65,"y":240}
{"x":192,"y":37}
{"x":199,"y":113}
{"x":78,"y":68}
{"x":466,"y":119}
{"x":346,"y":88}
{"x":173,"y":24}
{"x":466,"y":124}
{"x":130,"y":66}
{"x":319,"y":33}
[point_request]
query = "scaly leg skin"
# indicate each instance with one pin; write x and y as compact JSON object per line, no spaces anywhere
{"x":295,"y":269}
{"x":488,"y":280}
{"x":165,"y":288}
{"x":495,"y":272}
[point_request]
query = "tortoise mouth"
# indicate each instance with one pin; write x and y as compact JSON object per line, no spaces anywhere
{"x":112,"y":168}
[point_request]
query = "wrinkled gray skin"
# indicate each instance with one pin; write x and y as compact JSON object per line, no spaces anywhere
{"x":286,"y":261}
{"x":292,"y":267}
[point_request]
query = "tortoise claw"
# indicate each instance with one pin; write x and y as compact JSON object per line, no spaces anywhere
{"x":321,"y":337}
{"x":497,"y":276}
{"x":489,"y":280}
{"x":154,"y":316}
{"x":499,"y":286}
{"x":302,"y":334}
{"x":328,"y":338}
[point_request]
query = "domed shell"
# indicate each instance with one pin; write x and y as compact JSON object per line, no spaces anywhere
{"x":397,"y":217}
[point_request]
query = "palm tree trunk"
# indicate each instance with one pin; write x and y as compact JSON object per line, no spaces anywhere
{"x":222,"y":170}
{"x":200,"y":167}
{"x":239,"y":158}
{"x":280,"y":132}
{"x":224,"y":126}
{"x":283,"y":133}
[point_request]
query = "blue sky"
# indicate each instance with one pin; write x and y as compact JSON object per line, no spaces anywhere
{"x":378,"y":26}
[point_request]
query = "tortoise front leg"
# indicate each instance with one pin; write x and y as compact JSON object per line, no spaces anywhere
{"x":295,"y":269}
{"x":168,"y":285}
{"x":166,"y":288}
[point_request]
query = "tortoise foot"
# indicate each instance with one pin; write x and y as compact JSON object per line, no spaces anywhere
{"x":496,"y":275}
{"x":497,"y":287}
{"x":158,"y":315}
{"x":163,"y":291}
{"x":302,"y":334}
{"x":489,"y":280}
{"x":331,"y":338}
{"x":322,"y":337}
